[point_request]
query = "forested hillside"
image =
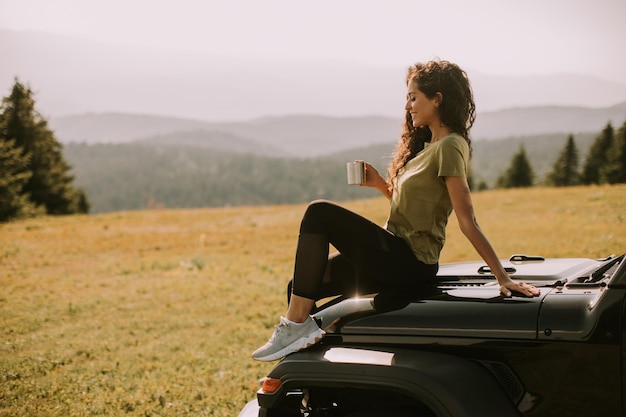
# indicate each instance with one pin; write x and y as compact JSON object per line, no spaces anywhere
{"x":135,"y":176}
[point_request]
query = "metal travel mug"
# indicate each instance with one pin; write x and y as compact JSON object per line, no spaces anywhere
{"x":356,"y":172}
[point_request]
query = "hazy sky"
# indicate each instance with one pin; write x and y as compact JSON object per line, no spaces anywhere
{"x":513,"y":37}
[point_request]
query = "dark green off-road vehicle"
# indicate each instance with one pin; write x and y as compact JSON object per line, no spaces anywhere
{"x":463,"y":349}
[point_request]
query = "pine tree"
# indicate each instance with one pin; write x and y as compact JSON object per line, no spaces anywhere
{"x":49,"y":185}
{"x":597,"y":157}
{"x":14,"y":203}
{"x":519,"y":174}
{"x":615,"y":169}
{"x":565,"y":170}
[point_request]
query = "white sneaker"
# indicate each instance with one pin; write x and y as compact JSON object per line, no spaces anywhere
{"x":289,"y":337}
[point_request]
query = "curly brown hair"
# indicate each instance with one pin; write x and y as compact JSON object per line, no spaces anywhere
{"x":457,"y":110}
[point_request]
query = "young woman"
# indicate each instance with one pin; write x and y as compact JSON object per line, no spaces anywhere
{"x":427,"y":180}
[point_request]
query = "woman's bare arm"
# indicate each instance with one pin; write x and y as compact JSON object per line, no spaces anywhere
{"x":461,"y":198}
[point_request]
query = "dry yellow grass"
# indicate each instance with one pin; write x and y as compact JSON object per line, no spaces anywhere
{"x":156,"y":312}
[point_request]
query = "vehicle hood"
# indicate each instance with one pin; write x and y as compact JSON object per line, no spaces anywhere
{"x":452,"y":312}
{"x":465,"y":303}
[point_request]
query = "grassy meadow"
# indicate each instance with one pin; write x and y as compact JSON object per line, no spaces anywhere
{"x":155,"y":313}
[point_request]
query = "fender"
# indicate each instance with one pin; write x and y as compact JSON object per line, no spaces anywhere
{"x":450,"y":386}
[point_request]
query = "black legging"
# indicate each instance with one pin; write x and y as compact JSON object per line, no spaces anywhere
{"x":370,"y":258}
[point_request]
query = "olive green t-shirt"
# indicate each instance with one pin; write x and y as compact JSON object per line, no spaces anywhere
{"x":420,"y":205}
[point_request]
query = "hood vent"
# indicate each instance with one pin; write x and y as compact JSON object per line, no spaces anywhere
{"x":518,"y":259}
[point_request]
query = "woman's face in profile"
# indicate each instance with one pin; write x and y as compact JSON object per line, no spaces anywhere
{"x":423,"y":110}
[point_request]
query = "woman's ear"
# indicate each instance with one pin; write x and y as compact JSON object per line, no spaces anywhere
{"x":438,"y":98}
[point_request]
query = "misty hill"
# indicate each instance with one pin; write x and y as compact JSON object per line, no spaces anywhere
{"x":217,"y":140}
{"x":546,"y":119}
{"x":311,"y":136}
{"x":74,"y":76}
{"x":300,"y":136}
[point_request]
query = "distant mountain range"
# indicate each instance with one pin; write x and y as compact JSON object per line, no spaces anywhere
{"x":311,"y":136}
{"x":73,"y":76}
